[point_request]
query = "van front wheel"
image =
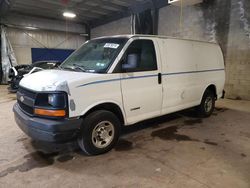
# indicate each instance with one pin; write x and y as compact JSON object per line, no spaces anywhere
{"x":99,"y":132}
{"x":206,"y":108}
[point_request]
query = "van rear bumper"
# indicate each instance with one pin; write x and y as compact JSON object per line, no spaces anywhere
{"x":46,"y":129}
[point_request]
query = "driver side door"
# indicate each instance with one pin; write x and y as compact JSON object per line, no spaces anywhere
{"x":141,"y":81}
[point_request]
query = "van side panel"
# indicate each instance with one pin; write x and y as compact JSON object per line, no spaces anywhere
{"x":189,"y":67}
{"x":210,"y":57}
{"x":178,"y":86}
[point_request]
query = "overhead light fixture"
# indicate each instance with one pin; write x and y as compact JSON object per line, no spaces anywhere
{"x":69,"y":14}
{"x":184,"y":2}
{"x":31,"y":28}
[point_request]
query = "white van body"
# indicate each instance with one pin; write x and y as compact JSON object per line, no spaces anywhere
{"x":185,"y":69}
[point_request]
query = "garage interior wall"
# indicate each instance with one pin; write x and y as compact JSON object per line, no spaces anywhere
{"x":23,"y":40}
{"x":118,"y":27}
{"x":226,"y":22}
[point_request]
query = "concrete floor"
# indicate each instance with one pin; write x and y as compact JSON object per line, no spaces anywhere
{"x":177,"y":150}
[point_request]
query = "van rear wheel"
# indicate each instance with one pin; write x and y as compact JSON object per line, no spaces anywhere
{"x":206,"y":108}
{"x":99,"y":132}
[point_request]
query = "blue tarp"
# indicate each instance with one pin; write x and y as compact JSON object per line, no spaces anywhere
{"x":45,"y":54}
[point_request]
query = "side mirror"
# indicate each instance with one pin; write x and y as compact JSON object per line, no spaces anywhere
{"x":131,"y":63}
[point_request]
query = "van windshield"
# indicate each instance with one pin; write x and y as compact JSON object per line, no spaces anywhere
{"x":95,"y":55}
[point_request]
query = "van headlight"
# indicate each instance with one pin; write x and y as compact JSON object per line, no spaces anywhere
{"x":51,"y":104}
{"x":57,"y":100}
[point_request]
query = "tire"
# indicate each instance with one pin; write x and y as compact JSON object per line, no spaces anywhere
{"x":99,"y":132}
{"x":206,"y":108}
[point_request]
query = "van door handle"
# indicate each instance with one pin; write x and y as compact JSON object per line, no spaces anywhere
{"x":159,"y":78}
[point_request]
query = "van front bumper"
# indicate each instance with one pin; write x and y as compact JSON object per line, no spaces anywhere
{"x":46,"y":129}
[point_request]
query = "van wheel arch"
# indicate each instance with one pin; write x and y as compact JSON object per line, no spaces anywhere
{"x":207,"y":104}
{"x":212,"y":88}
{"x":111,"y":107}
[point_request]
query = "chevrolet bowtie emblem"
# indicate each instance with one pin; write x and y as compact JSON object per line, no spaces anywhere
{"x":21,"y":98}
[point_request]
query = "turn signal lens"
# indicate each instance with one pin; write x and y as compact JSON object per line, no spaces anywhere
{"x":52,"y":113}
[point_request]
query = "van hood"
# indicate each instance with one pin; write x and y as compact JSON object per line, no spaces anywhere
{"x":54,"y":80}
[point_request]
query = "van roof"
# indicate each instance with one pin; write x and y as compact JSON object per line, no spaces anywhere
{"x":154,"y":36}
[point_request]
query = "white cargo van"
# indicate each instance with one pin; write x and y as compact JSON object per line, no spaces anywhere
{"x":117,"y":81}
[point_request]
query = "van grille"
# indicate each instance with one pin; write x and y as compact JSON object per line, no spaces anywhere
{"x":25,"y":105}
{"x":25,"y":108}
{"x":27,"y":92}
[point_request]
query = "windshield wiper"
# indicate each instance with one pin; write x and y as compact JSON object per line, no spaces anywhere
{"x":67,"y":68}
{"x":74,"y":67}
{"x":79,"y":67}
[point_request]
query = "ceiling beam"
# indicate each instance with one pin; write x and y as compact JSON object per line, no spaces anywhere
{"x":125,"y":3}
{"x":23,"y":21}
{"x":93,"y":12}
{"x":110,"y":4}
{"x":137,"y":7}
{"x":53,"y":8}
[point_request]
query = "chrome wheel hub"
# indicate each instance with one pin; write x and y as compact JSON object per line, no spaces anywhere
{"x":103,"y":134}
{"x":208,"y":104}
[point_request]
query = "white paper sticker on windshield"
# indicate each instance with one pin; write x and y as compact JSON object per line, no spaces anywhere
{"x":111,"y":45}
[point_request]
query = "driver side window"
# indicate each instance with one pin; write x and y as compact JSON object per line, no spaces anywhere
{"x":140,"y":56}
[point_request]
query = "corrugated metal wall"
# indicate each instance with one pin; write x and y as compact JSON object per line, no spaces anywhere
{"x":43,"y":23}
{"x":23,"y":40}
